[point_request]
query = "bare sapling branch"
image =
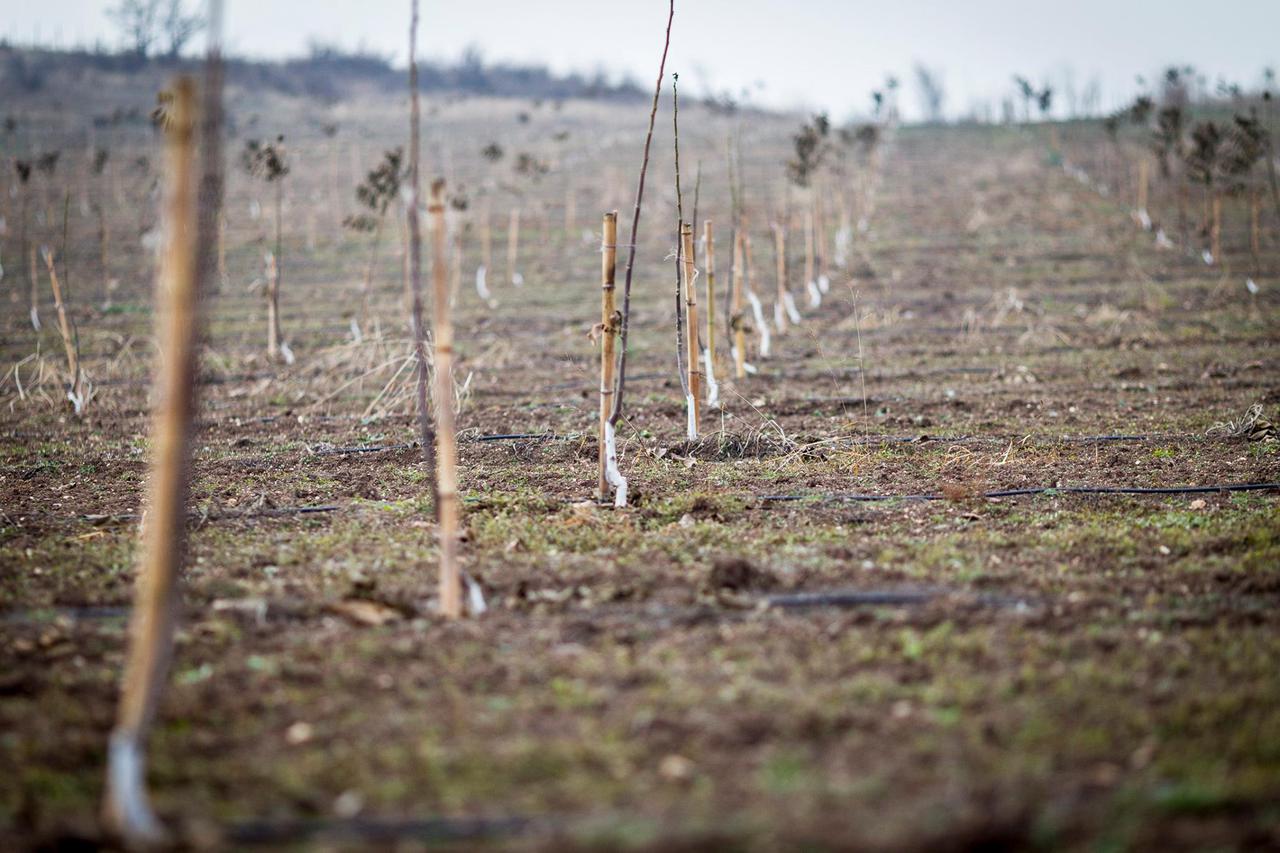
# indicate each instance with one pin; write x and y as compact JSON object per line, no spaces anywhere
{"x":635,"y":224}
{"x":426,"y":433}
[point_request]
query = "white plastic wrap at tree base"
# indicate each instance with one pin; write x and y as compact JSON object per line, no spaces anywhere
{"x":1162,"y":240}
{"x":356,"y":335}
{"x":611,"y":472}
{"x":815,"y":295}
{"x":482,"y":286}
{"x":286,"y":353}
{"x":1207,"y":257}
{"x":77,"y":401}
{"x":1144,"y":218}
{"x":691,"y":417}
{"x":757,"y":310}
{"x":793,"y":313}
{"x":779,"y":318}
{"x":35,"y":318}
{"x":517,"y":279}
{"x":475,"y":596}
{"x":127,"y":805}
{"x":1251,"y":286}
{"x":844,"y":241}
{"x":713,"y":387}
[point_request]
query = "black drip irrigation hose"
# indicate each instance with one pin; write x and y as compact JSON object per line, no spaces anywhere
{"x":1036,"y":490}
{"x":848,"y":598}
{"x":382,"y":830}
{"x":270,"y":512}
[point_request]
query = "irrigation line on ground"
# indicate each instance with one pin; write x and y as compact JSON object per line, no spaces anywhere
{"x":1034,"y":490}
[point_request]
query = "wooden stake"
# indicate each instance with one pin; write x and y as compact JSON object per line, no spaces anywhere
{"x":65,"y":330}
{"x":486,"y":239}
{"x":1215,"y":229}
{"x":1255,"y":215}
{"x":104,"y":240}
{"x":152,"y":620}
{"x":273,"y":306}
{"x":1144,"y":177}
{"x":737,"y":319}
{"x":513,"y":245}
{"x":446,"y":439}
{"x":809,"y":246}
{"x":693,"y":371}
{"x":709,"y":263}
{"x":34,"y":271}
{"x":780,"y":252}
{"x":610,"y":321}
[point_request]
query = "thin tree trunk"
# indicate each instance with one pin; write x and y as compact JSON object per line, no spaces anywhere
{"x":426,"y":433}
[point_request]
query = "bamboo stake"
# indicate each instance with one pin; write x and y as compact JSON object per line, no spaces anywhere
{"x":66,"y":332}
{"x":486,"y":238}
{"x":152,"y":621}
{"x":273,"y":306}
{"x":1255,"y":236}
{"x":222,"y":250}
{"x":513,"y":247}
{"x":737,"y":320}
{"x":104,"y":240}
{"x":447,"y":450}
{"x":610,"y":320}
{"x":1215,"y":230}
{"x":780,"y":253}
{"x":709,"y":262}
{"x":694,"y":372}
{"x":1144,"y":177}
{"x":809,"y":246}
{"x":33,"y":271}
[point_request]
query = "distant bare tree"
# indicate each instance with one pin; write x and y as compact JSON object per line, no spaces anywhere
{"x":146,"y":23}
{"x":137,"y":20}
{"x":933,"y":96}
{"x":178,"y":26}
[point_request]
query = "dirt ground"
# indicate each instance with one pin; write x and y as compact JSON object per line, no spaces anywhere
{"x":1057,"y":669}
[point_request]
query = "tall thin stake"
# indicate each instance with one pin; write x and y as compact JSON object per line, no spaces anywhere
{"x":709,"y":263}
{"x":635,"y":224}
{"x":426,"y":434}
{"x":737,"y":319}
{"x":694,"y":380}
{"x":151,"y":626}
{"x":610,"y":320}
{"x":447,"y":452}
{"x":67,"y":332}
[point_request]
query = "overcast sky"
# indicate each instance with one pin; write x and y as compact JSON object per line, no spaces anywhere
{"x":818,"y":54}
